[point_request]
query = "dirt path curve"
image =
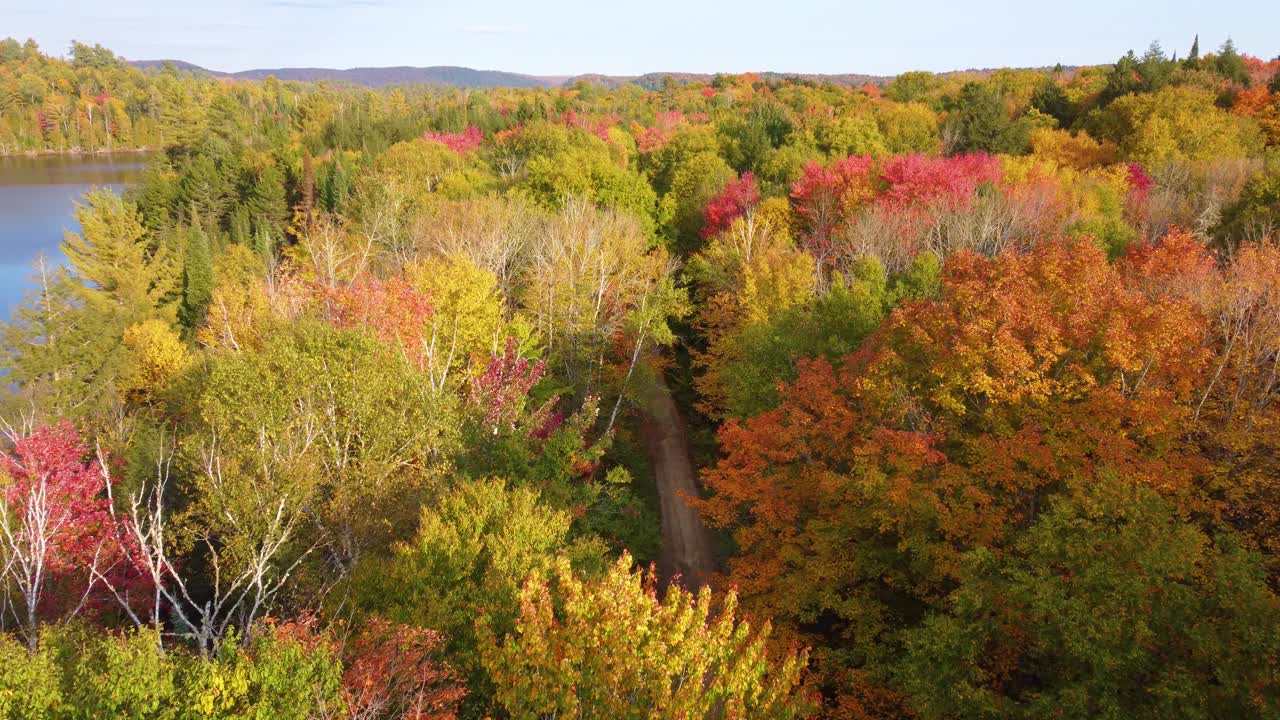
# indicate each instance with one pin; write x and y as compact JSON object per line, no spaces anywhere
{"x":688,"y":546}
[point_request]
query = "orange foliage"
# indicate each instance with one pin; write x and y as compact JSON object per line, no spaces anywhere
{"x":1031,"y":373}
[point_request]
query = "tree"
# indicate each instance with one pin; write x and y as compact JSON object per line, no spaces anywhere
{"x":696,"y":182}
{"x":610,"y":648}
{"x":1051,"y":100}
{"x":322,"y":430}
{"x":732,"y":202}
{"x":391,"y":672}
{"x":197,"y":279}
{"x":1228,"y":63}
{"x":948,"y":429}
{"x":63,"y":549}
{"x":68,"y":341}
{"x":980,"y":122}
{"x":471,"y":552}
{"x":592,"y":270}
{"x":1175,"y":124}
{"x":268,"y":206}
{"x":1110,"y":605}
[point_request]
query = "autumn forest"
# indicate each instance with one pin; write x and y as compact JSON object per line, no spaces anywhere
{"x":950,"y":396}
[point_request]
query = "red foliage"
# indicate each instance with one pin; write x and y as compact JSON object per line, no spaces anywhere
{"x":824,"y":196}
{"x":391,"y":673}
{"x":502,"y":388}
{"x":649,"y":139}
{"x":462,"y":142}
{"x":918,"y":179}
{"x":731,"y":203}
{"x":597,"y":126}
{"x":394,"y":310}
{"x":708,"y":92}
{"x":1139,"y":192}
{"x":59,"y":514}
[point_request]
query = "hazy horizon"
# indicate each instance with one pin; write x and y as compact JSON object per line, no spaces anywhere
{"x":572,"y":38}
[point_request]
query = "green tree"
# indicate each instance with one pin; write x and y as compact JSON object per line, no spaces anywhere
{"x":1229,"y":64}
{"x":68,"y":338}
{"x":473,"y":549}
{"x":980,"y":122}
{"x":1111,"y":605}
{"x":197,"y":278}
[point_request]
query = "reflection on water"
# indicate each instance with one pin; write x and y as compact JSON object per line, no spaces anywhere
{"x":37,"y":196}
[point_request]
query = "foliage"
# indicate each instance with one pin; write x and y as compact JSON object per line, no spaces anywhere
{"x":1189,"y":628}
{"x":610,"y":648}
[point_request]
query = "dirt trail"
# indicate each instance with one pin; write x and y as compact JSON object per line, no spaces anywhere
{"x":688,"y":546}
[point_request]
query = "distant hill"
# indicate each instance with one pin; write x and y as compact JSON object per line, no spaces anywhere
{"x":472,"y":78}
{"x":373,"y":77}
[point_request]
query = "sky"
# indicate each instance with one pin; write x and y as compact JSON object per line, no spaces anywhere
{"x":555,"y":37}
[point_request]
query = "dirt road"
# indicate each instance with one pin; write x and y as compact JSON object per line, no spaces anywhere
{"x":688,"y":546}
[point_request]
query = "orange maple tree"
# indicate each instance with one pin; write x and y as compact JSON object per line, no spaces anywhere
{"x":1032,"y":374}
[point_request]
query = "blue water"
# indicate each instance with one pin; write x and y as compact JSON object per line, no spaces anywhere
{"x":37,"y":196}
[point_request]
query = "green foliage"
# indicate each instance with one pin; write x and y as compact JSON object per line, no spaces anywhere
{"x":84,"y":673}
{"x":1175,"y":124}
{"x":1256,"y":214}
{"x":197,"y":279}
{"x":980,"y":122}
{"x":696,"y":180}
{"x":1109,"y":606}
{"x":67,"y":340}
{"x":125,"y":676}
{"x":587,"y":171}
{"x":834,"y":325}
{"x":473,"y":549}
{"x":29,"y":684}
{"x":320,"y":422}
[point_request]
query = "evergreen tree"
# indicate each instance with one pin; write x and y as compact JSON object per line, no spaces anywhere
{"x":197,"y":278}
{"x":1154,"y":68}
{"x":266,"y":202}
{"x":67,"y":340}
{"x":1230,"y":65}
{"x":980,"y":123}
{"x":1124,"y":79}
{"x":1051,"y":100}
{"x":241,"y":226}
{"x":264,"y":244}
{"x":335,"y":186}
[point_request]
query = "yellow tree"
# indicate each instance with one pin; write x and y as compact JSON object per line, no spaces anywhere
{"x":612,"y":649}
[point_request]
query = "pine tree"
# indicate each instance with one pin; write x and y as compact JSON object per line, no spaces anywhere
{"x":67,"y":339}
{"x":119,"y":270}
{"x":241,"y":226}
{"x":264,"y":244}
{"x":197,"y":278}
{"x":267,"y":203}
{"x":1229,"y":64}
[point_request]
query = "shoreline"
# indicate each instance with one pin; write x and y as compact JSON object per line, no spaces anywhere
{"x":78,"y":152}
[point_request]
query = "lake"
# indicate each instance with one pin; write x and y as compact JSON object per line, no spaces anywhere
{"x":37,"y":196}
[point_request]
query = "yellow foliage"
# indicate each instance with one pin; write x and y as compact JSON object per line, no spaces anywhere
{"x":467,"y":321}
{"x":239,"y":306}
{"x":1076,"y":151}
{"x":158,"y":355}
